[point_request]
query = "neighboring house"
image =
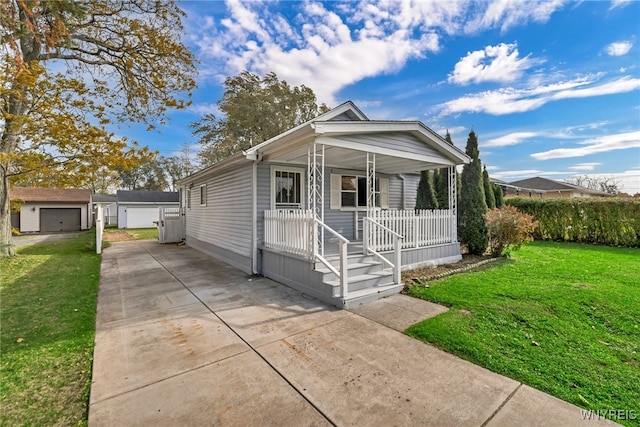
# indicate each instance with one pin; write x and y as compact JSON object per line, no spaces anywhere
{"x":287,"y":207}
{"x":52,"y":209}
{"x":548,"y":188}
{"x":139,"y":209}
{"x":109,"y":207}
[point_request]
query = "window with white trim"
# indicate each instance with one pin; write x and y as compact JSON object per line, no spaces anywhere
{"x":188,"y":201}
{"x":203,"y":195}
{"x":350,"y":192}
{"x":287,"y":188}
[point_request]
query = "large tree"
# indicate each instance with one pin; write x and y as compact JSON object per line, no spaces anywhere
{"x":472,"y":222}
{"x":252,"y":111}
{"x":68,"y":69}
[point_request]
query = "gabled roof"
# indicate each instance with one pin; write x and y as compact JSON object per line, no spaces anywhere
{"x":345,"y":119}
{"x":50,"y":195}
{"x":147,"y":196}
{"x":334,"y":122}
{"x":549,"y":185}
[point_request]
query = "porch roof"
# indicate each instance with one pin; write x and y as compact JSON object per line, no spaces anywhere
{"x":400,"y":147}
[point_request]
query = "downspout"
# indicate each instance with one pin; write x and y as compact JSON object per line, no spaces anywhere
{"x":254,"y":215}
{"x":404,"y":190}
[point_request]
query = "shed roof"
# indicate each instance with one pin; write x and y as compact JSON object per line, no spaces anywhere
{"x":147,"y":196}
{"x":51,"y":195}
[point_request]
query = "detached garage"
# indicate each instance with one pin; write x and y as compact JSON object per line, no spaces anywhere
{"x":139,"y":209}
{"x":50,"y":210}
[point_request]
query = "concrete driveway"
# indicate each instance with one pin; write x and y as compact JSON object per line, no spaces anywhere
{"x":182,"y":339}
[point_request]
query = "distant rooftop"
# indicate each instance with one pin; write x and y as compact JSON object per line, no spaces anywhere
{"x":51,"y":195}
{"x":147,"y":196}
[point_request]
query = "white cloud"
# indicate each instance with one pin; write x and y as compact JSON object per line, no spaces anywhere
{"x":511,"y":100}
{"x":584,"y":166}
{"x":328,"y":47}
{"x":204,"y":108}
{"x":629,"y":180}
{"x":620,"y":3}
{"x":494,"y":63}
{"x":507,"y":14}
{"x":601,"y":144}
{"x":510,"y":139}
{"x":619,"y":48}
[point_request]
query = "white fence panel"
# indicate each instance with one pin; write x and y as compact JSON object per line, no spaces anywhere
{"x":419,"y":228}
{"x":289,"y":231}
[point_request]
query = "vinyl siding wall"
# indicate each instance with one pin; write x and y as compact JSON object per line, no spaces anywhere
{"x":223,"y":226}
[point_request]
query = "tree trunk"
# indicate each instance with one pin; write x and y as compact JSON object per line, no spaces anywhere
{"x":6,"y":248}
{"x":9,"y":141}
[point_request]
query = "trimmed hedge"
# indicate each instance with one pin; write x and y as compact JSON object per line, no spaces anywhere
{"x":613,"y":222}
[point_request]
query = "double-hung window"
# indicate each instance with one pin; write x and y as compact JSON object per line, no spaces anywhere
{"x":350,"y":192}
{"x":353,"y":192}
{"x":287,"y":188}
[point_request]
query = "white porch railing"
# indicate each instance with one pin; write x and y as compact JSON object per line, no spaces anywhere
{"x":419,"y":228}
{"x":297,"y":232}
{"x":289,"y":231}
{"x":373,"y":234}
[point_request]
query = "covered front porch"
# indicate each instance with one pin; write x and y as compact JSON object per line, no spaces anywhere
{"x":354,"y":228}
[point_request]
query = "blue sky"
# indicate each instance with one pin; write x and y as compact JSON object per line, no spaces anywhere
{"x":551,"y":88}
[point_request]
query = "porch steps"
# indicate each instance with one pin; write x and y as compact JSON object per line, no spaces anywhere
{"x":367,"y":278}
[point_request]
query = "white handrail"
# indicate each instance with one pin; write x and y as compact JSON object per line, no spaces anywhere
{"x":397,"y":248}
{"x":332,"y":231}
{"x":343,"y":275}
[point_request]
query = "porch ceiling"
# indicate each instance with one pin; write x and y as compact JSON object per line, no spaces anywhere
{"x":344,"y":158}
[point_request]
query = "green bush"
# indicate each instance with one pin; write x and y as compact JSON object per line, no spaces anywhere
{"x":613,"y":222}
{"x":508,"y":230}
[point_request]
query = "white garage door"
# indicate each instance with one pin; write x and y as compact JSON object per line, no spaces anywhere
{"x":141,"y":217}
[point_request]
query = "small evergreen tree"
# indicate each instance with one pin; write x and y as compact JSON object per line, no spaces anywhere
{"x":497,"y":191}
{"x":426,"y":197}
{"x":489,"y":196}
{"x":472,"y":222}
{"x":441,"y":182}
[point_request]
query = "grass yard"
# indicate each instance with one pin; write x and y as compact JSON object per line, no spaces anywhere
{"x":119,"y":234}
{"x":48,"y":311}
{"x":561,"y":317}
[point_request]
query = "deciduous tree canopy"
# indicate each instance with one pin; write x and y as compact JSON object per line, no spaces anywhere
{"x":252,"y":111}
{"x":69,"y":68}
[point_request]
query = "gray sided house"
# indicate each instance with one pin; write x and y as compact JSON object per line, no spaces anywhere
{"x":139,"y":209}
{"x":328,"y":206}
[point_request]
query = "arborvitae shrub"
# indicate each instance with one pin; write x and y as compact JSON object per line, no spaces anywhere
{"x":610,"y":221}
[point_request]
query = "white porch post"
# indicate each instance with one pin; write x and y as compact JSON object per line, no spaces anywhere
{"x":315,"y":193}
{"x":371,"y":199}
{"x":453,"y":203}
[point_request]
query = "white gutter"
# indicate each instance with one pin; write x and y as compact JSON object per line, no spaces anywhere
{"x":254,"y":215}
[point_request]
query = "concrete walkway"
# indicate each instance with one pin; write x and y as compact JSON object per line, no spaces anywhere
{"x":182,"y":339}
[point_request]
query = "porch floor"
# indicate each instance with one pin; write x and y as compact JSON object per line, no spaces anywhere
{"x":332,"y":248}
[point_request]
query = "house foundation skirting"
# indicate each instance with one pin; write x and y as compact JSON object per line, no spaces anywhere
{"x":297,"y":273}
{"x":234,"y":259}
{"x":428,"y":256}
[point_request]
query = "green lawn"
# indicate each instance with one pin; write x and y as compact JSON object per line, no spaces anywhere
{"x":48,"y":310}
{"x":561,"y":317}
{"x":115,"y":234}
